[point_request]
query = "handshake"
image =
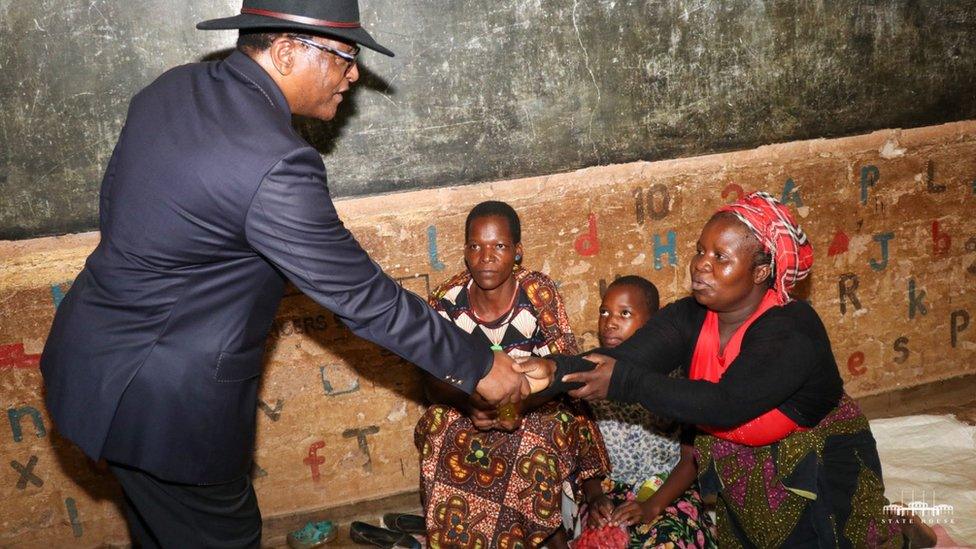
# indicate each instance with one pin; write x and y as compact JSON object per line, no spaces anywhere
{"x":510,"y":380}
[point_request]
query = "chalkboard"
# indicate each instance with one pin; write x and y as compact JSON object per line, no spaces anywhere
{"x":482,"y":90}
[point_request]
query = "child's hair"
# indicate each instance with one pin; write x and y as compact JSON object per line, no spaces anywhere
{"x":646,"y":287}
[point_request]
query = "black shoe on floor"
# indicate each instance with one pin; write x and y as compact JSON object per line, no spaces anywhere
{"x":367,"y":534}
{"x":406,"y":523}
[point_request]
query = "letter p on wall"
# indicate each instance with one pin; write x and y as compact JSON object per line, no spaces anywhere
{"x":869,"y":176}
{"x":958,"y":322}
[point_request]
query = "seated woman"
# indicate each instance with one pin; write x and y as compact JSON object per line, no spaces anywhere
{"x":790,"y":456}
{"x":489,"y":477}
{"x":652,"y":488}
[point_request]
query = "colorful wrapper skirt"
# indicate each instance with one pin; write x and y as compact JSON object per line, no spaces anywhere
{"x":817,"y":488}
{"x":486,"y":489}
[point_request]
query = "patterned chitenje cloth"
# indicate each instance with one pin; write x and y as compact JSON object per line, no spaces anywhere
{"x":765,"y":491}
{"x":777,"y":231}
{"x":537,"y":324}
{"x":684,"y":523}
{"x":498,"y":489}
{"x":641,"y":446}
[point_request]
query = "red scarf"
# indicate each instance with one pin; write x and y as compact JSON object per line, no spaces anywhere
{"x":709,"y":365}
{"x":778,"y":233}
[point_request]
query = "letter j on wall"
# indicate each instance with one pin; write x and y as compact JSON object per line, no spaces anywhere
{"x":882,"y":239}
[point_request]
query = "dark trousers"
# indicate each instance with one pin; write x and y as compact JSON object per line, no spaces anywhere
{"x":168,"y":514}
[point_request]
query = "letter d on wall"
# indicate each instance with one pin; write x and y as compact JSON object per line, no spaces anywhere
{"x":587,"y":244}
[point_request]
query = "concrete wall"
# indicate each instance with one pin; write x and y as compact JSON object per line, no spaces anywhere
{"x":481,"y":91}
{"x":889,"y":214}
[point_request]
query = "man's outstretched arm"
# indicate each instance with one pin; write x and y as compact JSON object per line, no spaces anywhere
{"x":293,"y":223}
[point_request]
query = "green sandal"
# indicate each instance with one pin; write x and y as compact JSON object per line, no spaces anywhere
{"x":313,"y":534}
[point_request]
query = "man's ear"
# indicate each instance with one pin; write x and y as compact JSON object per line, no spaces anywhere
{"x":284,"y":55}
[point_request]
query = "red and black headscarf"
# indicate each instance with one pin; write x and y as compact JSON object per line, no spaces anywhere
{"x":779,"y":235}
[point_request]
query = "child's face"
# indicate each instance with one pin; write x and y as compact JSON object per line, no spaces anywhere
{"x":622,"y":312}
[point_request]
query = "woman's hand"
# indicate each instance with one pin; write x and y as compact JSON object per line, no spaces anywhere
{"x":483,"y":420}
{"x":538,"y":371}
{"x":600,"y":511}
{"x":631,"y":512}
{"x":596,"y":382}
{"x":483,"y":414}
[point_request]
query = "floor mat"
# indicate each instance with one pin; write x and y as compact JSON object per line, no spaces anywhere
{"x":929,"y":462}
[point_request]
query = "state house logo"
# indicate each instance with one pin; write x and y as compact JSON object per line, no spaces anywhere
{"x":930,"y":512}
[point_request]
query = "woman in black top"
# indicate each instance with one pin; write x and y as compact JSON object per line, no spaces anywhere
{"x":788,"y":453}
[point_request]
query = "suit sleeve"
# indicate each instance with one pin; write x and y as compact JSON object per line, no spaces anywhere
{"x":293,"y":223}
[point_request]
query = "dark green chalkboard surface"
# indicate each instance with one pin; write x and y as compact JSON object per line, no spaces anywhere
{"x":489,"y":89}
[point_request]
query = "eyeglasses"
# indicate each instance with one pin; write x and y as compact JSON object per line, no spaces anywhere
{"x":347,"y":56}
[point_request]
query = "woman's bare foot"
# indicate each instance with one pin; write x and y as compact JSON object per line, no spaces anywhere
{"x":914,"y":529}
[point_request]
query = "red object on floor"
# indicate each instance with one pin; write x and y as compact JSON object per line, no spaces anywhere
{"x":608,"y":537}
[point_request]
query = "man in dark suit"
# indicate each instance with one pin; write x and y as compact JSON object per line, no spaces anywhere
{"x":210,"y":202}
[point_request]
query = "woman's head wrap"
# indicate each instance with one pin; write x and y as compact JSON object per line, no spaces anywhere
{"x":779,"y":235}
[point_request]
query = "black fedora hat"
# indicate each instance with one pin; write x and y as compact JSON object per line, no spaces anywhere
{"x":336,"y":18}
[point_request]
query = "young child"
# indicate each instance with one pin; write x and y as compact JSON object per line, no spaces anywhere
{"x":652,"y":489}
